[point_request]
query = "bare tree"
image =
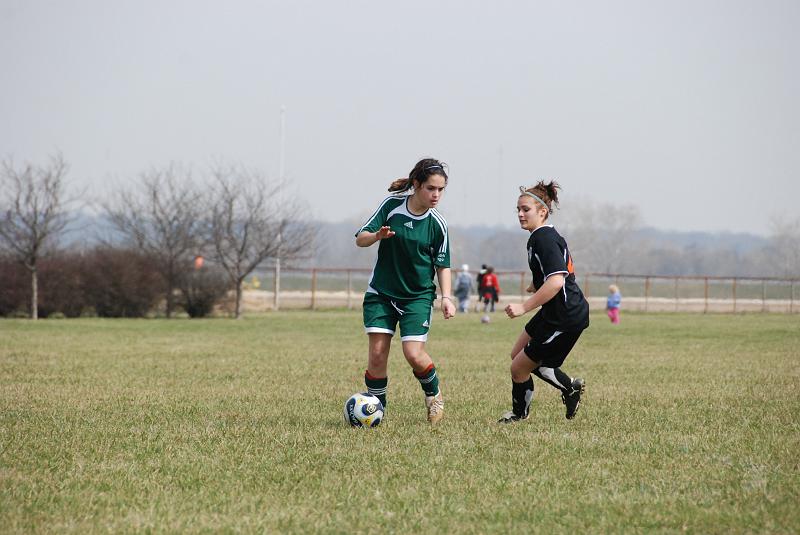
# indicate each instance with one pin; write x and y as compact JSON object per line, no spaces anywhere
{"x":784,"y":248}
{"x":164,"y":219}
{"x":602,"y":236}
{"x":33,"y":213}
{"x":250,"y":224}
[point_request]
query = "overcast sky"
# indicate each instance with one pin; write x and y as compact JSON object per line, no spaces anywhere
{"x":687,"y":109}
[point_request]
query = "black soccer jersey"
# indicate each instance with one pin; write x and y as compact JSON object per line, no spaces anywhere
{"x":548,"y":255}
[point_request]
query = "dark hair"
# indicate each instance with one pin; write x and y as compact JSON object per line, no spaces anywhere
{"x":424,"y":169}
{"x":547,"y":192}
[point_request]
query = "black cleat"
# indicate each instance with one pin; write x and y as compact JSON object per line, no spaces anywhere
{"x":510,"y":418}
{"x":573,"y":400}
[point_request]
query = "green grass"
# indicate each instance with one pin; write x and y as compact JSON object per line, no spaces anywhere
{"x":690,"y":423}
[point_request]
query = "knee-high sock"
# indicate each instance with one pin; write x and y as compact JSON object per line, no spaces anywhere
{"x":555,"y":377}
{"x":428,"y":380}
{"x":376,"y":386}
{"x":521,"y":397}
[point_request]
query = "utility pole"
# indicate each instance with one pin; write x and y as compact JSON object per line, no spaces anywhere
{"x":276,"y":304}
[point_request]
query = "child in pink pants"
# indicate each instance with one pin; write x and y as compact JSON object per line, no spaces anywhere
{"x":612,"y":304}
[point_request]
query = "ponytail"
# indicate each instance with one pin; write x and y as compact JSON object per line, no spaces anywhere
{"x":401,"y":184}
{"x":551,"y":190}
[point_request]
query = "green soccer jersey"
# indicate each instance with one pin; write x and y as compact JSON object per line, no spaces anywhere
{"x":407,"y":261}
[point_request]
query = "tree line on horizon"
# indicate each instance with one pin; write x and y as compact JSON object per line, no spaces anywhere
{"x":178,"y":240}
{"x":174,"y":239}
{"x":603,"y":238}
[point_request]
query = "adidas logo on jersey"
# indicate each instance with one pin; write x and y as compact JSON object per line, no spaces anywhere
{"x":409,"y":224}
{"x":426,"y":324}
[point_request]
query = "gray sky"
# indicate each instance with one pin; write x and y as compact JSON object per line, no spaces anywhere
{"x":687,"y":109}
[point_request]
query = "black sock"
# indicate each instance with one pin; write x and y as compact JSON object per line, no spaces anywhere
{"x":555,"y":377}
{"x":521,"y":396}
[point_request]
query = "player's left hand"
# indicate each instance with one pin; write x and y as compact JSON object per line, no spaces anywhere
{"x":515,"y":310}
{"x":448,"y":308}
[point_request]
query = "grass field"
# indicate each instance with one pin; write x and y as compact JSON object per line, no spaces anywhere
{"x":690,"y":423}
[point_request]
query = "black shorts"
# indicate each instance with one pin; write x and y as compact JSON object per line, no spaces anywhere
{"x":548,"y":346}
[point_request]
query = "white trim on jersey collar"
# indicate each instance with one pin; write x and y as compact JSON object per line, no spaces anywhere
{"x":403,"y":209}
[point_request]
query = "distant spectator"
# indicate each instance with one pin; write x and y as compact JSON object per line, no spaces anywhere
{"x":463,"y":288}
{"x":613,"y":303}
{"x":479,"y":286}
{"x":491,"y":290}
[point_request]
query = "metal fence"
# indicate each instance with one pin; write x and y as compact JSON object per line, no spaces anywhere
{"x":696,"y":293}
{"x":344,"y":288}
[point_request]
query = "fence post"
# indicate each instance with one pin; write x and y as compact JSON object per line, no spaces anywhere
{"x":791,"y":299}
{"x":734,"y":295}
{"x":646,"y":292}
{"x":586,"y":286}
{"x":276,"y":287}
{"x":313,"y":288}
{"x":349,"y":290}
{"x":705,"y":307}
{"x":522,"y":286}
{"x":763,"y":296}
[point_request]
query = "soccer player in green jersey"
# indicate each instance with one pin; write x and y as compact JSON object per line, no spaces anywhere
{"x":414,"y":247}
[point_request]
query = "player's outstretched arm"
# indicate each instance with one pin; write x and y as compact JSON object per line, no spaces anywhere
{"x":365,"y":239}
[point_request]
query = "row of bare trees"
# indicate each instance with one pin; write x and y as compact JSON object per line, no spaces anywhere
{"x":231,"y":217}
{"x":603,"y":238}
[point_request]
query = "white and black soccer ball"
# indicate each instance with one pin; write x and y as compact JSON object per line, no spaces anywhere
{"x":363,"y":410}
{"x":485,"y":318}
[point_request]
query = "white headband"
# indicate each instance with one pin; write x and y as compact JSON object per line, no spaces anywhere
{"x":523,"y":191}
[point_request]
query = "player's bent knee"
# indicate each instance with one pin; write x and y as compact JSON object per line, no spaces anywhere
{"x":521,"y":367}
{"x":418,"y":360}
{"x":414,"y":358}
{"x":515,"y":370}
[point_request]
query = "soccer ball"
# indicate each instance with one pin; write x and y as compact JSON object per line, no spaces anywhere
{"x":486,"y":318}
{"x":363,"y":410}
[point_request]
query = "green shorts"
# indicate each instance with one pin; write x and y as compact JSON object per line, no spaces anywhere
{"x":382,"y":313}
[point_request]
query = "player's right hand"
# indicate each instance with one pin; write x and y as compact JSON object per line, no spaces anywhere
{"x":514,"y":310}
{"x":384,"y":232}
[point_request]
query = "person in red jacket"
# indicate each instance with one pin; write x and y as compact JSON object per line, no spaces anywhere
{"x":490,"y":289}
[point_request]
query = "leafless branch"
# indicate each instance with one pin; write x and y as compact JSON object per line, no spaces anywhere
{"x":249,"y":224}
{"x":163,"y":218}
{"x":33,"y":212}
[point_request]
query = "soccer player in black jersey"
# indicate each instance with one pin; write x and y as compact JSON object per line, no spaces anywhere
{"x":414,"y":247}
{"x":548,"y":338}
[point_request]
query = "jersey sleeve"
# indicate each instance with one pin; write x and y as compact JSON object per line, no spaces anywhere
{"x":378,"y":218}
{"x":441,"y":242}
{"x":552,"y":259}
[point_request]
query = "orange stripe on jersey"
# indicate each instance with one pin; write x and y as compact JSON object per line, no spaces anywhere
{"x":570,"y":267}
